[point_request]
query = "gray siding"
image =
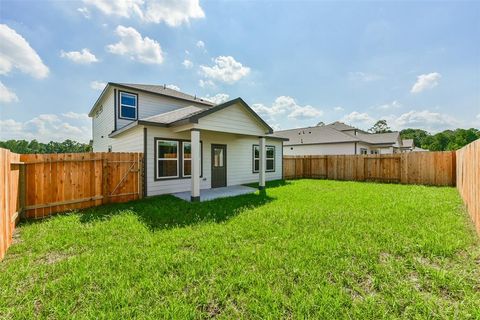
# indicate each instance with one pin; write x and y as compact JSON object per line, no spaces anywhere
{"x":239,"y":160}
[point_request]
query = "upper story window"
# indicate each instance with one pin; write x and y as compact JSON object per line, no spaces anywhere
{"x":128,"y":106}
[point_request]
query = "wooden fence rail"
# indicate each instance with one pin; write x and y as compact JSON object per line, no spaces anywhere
{"x":429,"y":168}
{"x":468,"y":179}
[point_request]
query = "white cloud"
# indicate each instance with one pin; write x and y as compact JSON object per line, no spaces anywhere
{"x":425,"y":119}
{"x":285,"y":105}
{"x":85,"y":12}
{"x":173,"y":87}
{"x":363,"y":77}
{"x":201,"y":44}
{"x":16,"y":52}
{"x":389,"y":106}
{"x":144,"y":50}
{"x":426,"y":81}
{"x":173,"y":13}
{"x":187,"y":64}
{"x":218,"y":98}
{"x":97,"y":85}
{"x":77,"y":116}
{"x":81,"y":57}
{"x":338,"y":109}
{"x":226,"y":69}
{"x":47,"y":127}
{"x":7,"y":95}
{"x":478,"y":116}
{"x":358,"y":119}
{"x":206,"y":83}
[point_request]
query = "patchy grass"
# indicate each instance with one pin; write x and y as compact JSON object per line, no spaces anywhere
{"x":306,"y":248}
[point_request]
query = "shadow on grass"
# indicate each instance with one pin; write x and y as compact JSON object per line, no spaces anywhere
{"x":167,"y":211}
{"x":271,"y":184}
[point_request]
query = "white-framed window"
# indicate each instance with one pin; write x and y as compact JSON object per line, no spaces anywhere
{"x":270,"y":158}
{"x":187,"y":159}
{"x":363,"y":151}
{"x":256,"y":158}
{"x":128,"y":105}
{"x":166,"y":159}
{"x":374,"y":152}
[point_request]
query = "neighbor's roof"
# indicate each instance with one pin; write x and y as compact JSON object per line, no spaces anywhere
{"x":407,"y":143}
{"x":314,"y":135}
{"x":379,"y":138}
{"x":337,"y":125}
{"x":161,"y":90}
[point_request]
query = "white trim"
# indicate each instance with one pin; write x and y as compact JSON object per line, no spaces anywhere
{"x":167,"y":159}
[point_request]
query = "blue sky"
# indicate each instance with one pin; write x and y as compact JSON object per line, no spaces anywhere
{"x":295,"y":62}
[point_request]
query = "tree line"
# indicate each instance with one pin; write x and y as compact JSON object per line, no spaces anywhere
{"x":441,"y":141}
{"x":33,"y":146}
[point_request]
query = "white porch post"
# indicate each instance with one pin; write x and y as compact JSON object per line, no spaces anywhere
{"x":196,"y":154}
{"x":262,"y":164}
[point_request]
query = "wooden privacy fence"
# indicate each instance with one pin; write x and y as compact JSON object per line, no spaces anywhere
{"x":61,"y":182}
{"x":9,"y":205}
{"x":38,"y":185}
{"x":468,"y":179}
{"x":429,"y":168}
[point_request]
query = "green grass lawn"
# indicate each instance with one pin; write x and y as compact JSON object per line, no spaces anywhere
{"x":306,"y":248}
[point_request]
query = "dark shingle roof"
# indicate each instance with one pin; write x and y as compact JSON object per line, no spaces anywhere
{"x":313,"y":135}
{"x":163,"y":90}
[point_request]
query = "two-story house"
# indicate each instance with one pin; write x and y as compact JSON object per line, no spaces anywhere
{"x":188,"y":143}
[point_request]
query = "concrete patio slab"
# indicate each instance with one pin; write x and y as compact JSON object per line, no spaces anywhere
{"x":215,"y":193}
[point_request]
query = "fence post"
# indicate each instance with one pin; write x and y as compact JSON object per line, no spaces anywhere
{"x":105,"y":198}
{"x":22,"y":190}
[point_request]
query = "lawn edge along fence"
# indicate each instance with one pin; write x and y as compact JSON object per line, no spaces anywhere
{"x":468,"y":179}
{"x":428,"y":168}
{"x":39,"y":185}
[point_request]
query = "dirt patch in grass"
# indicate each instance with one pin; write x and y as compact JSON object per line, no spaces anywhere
{"x":211,"y":310}
{"x":16,"y":237}
{"x":55,"y":257}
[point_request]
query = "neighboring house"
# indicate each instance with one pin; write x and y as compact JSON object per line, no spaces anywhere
{"x":183,"y":136}
{"x":340,"y":138}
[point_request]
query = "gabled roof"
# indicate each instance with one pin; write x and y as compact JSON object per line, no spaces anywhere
{"x":194,"y":117}
{"x":337,"y":125}
{"x":164,"y":91}
{"x":407,"y":143}
{"x":379,"y":138}
{"x":314,"y":135}
{"x":190,"y":114}
{"x":160,"y":90}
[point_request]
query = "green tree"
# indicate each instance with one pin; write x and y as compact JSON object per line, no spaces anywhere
{"x":380,"y":126}
{"x":67,"y":146}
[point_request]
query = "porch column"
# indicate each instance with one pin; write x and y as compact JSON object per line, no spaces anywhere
{"x":262,"y":164}
{"x":196,"y":154}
